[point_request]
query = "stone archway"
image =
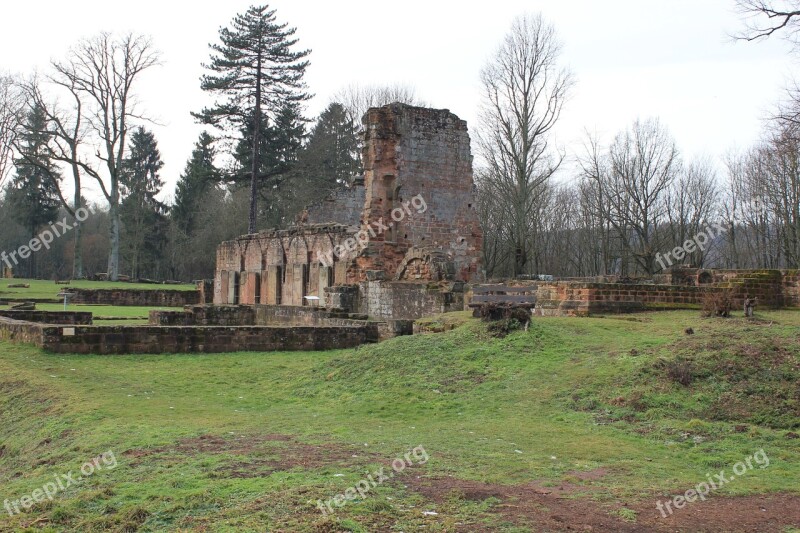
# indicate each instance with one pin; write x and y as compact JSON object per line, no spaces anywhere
{"x":425,"y":265}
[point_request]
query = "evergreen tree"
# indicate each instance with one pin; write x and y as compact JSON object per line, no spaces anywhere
{"x":331,"y":156}
{"x":142,"y":214}
{"x":281,"y":141}
{"x":199,"y":174}
{"x":257,"y":73}
{"x":33,"y":192}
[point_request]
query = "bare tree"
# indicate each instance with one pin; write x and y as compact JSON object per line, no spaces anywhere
{"x":101,"y":72}
{"x":524,"y":91}
{"x":10,"y":105}
{"x":358,"y":99}
{"x":781,"y":176}
{"x":65,"y":131}
{"x":764,"y":18}
{"x":691,"y":204}
{"x":634,"y":180}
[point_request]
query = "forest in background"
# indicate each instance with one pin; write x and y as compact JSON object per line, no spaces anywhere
{"x":623,"y":203}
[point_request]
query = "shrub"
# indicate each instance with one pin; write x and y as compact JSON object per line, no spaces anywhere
{"x":501,"y":328}
{"x":491,"y":312}
{"x":504,"y":318}
{"x":679,"y":370}
{"x":717,"y":304}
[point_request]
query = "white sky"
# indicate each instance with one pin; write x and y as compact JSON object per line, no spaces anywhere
{"x":632,"y":58}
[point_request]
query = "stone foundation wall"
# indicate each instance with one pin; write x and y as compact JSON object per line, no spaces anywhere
{"x":179,"y":339}
{"x":277,"y":315}
{"x":199,"y":339}
{"x":772,"y":289}
{"x":201,"y":315}
{"x":135,"y":297}
{"x":50,"y":317}
{"x":409,"y":300}
{"x":777,"y":288}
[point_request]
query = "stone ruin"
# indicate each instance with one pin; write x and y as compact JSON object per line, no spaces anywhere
{"x":399,"y":243}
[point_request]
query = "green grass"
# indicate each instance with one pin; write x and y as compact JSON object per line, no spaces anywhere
{"x":568,"y":395}
{"x":48,"y":289}
{"x":121,"y":315}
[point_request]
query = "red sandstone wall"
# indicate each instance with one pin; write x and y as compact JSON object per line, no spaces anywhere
{"x":280,"y":266}
{"x":412,"y":151}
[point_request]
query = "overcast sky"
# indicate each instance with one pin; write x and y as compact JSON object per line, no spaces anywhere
{"x":672,"y":59}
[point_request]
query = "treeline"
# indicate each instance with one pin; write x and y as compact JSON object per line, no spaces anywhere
{"x":630,"y":206}
{"x":258,"y":163}
{"x":634,"y":205}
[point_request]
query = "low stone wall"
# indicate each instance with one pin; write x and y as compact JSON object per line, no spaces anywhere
{"x":21,"y":332}
{"x":211,"y":315}
{"x":583,"y":299}
{"x":135,"y":297}
{"x":50,"y":317}
{"x":275,"y":315}
{"x":180,"y":339}
{"x":773,"y":288}
{"x":268,"y":315}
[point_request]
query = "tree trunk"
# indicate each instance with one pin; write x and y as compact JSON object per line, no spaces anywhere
{"x":256,"y":156}
{"x":113,"y":257}
{"x":77,"y":258}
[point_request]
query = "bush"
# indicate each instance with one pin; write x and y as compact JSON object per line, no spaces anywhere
{"x":679,"y":370}
{"x":505,"y":318}
{"x":492,"y":312}
{"x":501,"y":328}
{"x":717,"y":304}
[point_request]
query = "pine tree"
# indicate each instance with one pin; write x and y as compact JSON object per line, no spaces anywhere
{"x":257,"y":72}
{"x":33,"y":192}
{"x":281,"y":142}
{"x":200,"y":174}
{"x":142,"y":214}
{"x":331,"y":156}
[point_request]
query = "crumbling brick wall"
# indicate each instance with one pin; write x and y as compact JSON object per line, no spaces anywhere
{"x":409,"y":152}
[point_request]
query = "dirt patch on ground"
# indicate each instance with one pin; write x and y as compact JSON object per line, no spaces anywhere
{"x":265,"y":454}
{"x":767,"y":513}
{"x":559,"y":508}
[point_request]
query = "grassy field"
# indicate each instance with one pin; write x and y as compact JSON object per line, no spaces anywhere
{"x":103,"y":314}
{"x":579,"y":423}
{"x":48,"y":289}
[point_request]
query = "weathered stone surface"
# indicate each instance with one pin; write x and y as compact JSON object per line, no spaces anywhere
{"x":344,"y":206}
{"x":50,"y":317}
